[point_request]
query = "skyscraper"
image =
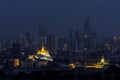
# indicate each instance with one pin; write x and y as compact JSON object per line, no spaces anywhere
{"x":89,"y":36}
{"x":71,"y":41}
{"x":116,"y":42}
{"x":77,"y":40}
{"x":51,"y":43}
{"x":22,"y":40}
{"x":30,"y":38}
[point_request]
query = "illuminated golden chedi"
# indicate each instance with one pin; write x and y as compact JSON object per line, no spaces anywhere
{"x":102,"y":61}
{"x":100,"y":64}
{"x":43,"y":54}
{"x":43,"y":51}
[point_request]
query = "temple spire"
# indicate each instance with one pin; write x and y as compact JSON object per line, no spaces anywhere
{"x":102,"y":59}
{"x":43,"y":48}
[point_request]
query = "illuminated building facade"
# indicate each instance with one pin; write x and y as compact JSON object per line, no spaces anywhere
{"x":72,"y":65}
{"x":16,"y":62}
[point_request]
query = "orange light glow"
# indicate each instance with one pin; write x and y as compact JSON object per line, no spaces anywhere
{"x":16,"y":62}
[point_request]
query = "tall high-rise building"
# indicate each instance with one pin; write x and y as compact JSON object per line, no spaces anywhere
{"x":50,"y":43}
{"x":29,"y":38}
{"x":116,"y":43}
{"x":89,"y":36}
{"x":22,"y":40}
{"x":71,"y":41}
{"x":77,"y":40}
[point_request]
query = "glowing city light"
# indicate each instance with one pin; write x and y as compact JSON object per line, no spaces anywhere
{"x":16,"y":62}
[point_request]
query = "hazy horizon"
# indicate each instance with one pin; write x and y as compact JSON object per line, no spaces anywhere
{"x":58,"y":16}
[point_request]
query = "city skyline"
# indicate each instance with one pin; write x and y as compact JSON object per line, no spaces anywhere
{"x":61,"y":33}
{"x":59,"y":40}
{"x":58,"y":16}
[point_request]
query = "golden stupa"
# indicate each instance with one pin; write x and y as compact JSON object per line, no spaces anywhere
{"x":102,"y":61}
{"x":99,"y":64}
{"x":43,"y":51}
{"x":43,"y":54}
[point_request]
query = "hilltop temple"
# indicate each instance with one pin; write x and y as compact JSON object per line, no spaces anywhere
{"x":43,"y":54}
{"x":41,"y":58}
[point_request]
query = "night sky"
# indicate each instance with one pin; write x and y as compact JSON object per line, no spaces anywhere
{"x":58,"y":16}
